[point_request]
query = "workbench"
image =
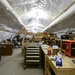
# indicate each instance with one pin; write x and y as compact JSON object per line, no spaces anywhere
{"x":44,"y":57}
{"x":67,"y":68}
{"x":50,"y":68}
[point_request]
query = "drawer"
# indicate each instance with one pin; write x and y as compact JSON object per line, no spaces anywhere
{"x":32,"y":51}
{"x":32,"y":60}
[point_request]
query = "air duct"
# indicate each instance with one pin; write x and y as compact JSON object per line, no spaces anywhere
{"x":65,"y":15}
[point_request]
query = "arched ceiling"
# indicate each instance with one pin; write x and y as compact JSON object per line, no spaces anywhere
{"x":37,"y":14}
{"x":7,"y":21}
{"x":68,"y":23}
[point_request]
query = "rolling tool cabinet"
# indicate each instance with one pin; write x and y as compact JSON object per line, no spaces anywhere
{"x":32,"y":55}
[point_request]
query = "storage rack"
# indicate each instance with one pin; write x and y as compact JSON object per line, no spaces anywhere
{"x":32,"y":55}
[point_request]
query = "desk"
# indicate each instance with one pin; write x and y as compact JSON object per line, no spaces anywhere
{"x":68,"y":67}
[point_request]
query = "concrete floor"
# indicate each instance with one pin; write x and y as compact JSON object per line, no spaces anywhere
{"x":13,"y":65}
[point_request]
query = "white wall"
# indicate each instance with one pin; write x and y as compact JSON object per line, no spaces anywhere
{"x":6,"y":35}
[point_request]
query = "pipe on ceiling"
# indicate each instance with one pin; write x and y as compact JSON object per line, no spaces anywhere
{"x":11,"y":10}
{"x":65,"y":15}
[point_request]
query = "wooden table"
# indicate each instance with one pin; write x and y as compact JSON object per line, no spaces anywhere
{"x":68,"y":67}
{"x":50,"y":68}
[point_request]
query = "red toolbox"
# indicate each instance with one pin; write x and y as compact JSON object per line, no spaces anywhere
{"x":70,"y":48}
